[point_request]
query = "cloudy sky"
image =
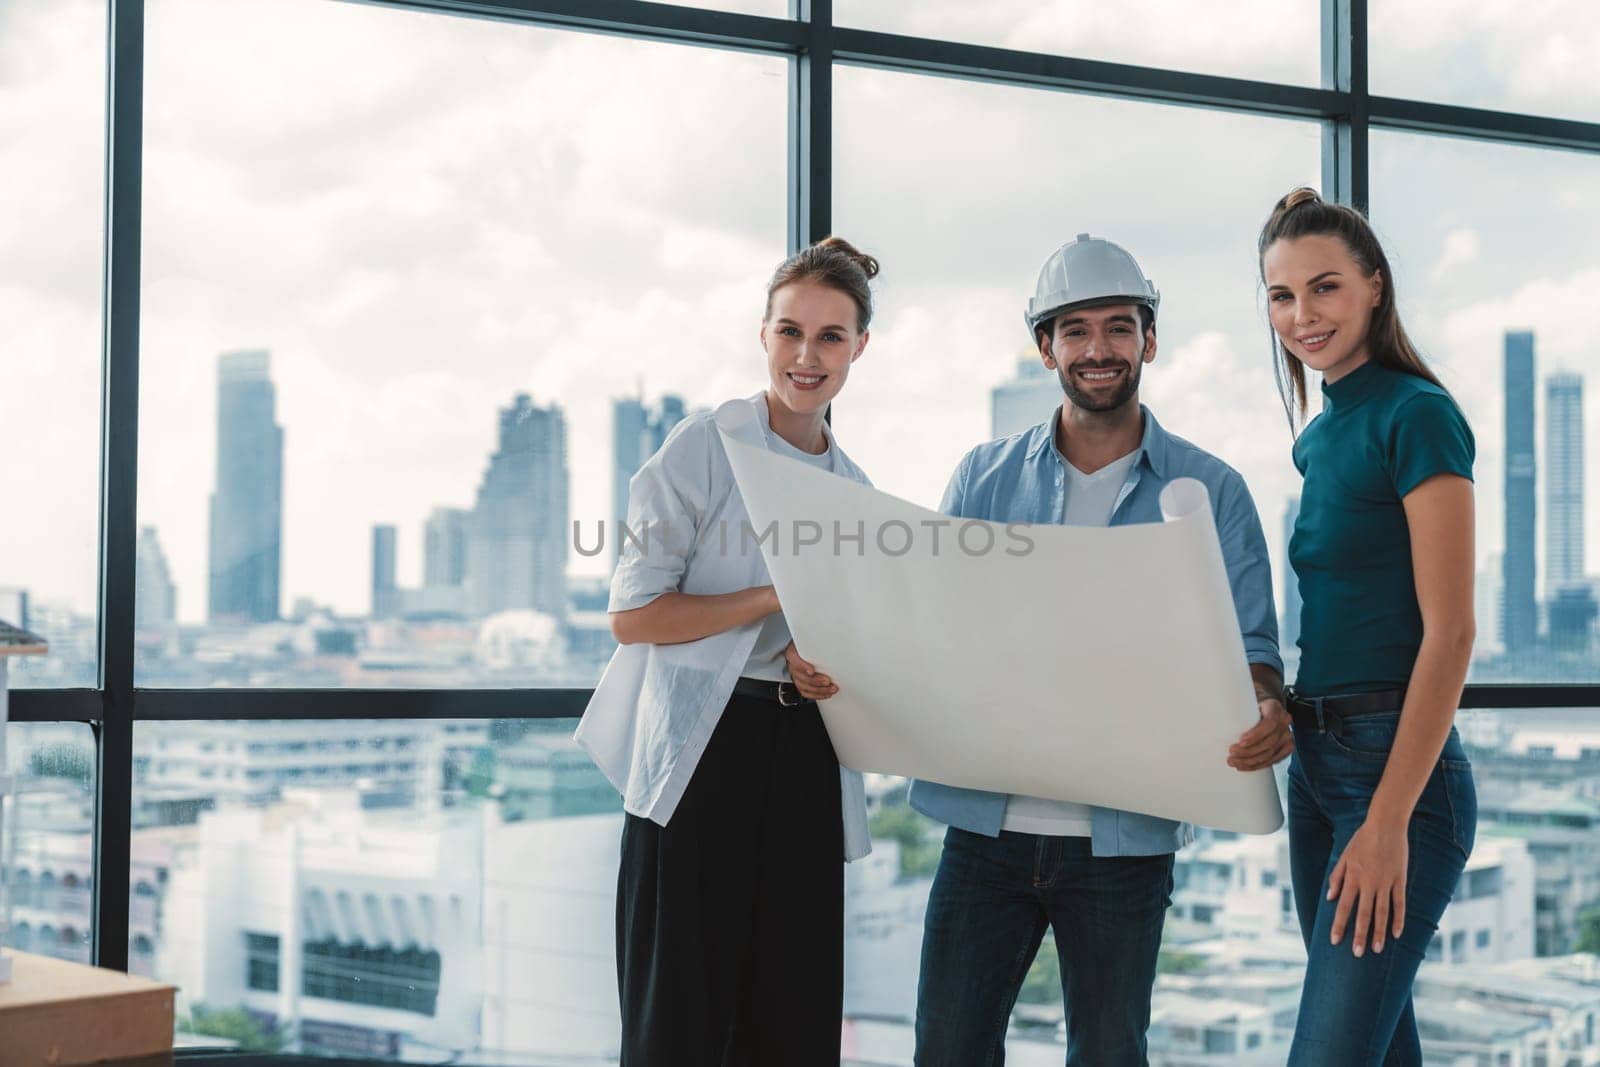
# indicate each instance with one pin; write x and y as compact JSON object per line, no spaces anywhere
{"x":420,"y":216}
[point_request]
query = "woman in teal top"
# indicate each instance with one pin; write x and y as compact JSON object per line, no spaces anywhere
{"x":1382,"y":807}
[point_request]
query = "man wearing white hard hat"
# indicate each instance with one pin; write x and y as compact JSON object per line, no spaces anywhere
{"x":1014,"y":866}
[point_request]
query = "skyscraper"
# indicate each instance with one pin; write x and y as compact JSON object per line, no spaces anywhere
{"x":637,"y":432}
{"x":1563,"y":483}
{"x":1024,"y":401}
{"x":247,"y":503}
{"x":517,"y":539}
{"x":155,"y":597}
{"x":14,"y":606}
{"x":385,"y":594}
{"x":444,"y":549}
{"x":1489,"y":607}
{"x":1289,"y":632}
{"x":1520,"y":622}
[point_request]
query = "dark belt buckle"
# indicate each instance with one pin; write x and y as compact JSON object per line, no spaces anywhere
{"x":1327,"y":721}
{"x":795,"y":703}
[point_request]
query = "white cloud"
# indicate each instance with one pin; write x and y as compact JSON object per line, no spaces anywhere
{"x":1461,"y":248}
{"x":1513,"y":55}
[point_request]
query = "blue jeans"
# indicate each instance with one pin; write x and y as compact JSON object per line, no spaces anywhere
{"x":991,"y":901}
{"x":1357,"y":1011}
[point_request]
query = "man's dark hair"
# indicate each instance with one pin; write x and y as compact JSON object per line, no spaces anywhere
{"x":1147,"y":321}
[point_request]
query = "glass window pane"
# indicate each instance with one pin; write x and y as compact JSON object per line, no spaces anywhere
{"x":1492,"y":282}
{"x":46,"y":840}
{"x":960,"y":258}
{"x":52,"y":166}
{"x":962,"y":224}
{"x":1535,"y":58}
{"x":1268,"y":40}
{"x":380,"y":889}
{"x":397,"y":312}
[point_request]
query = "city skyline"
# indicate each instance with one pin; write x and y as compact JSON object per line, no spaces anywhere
{"x":382,"y":349}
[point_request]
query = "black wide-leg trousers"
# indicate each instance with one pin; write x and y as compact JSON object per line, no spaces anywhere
{"x":730,"y":919}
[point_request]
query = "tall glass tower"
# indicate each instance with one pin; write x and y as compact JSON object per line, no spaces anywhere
{"x":517,"y":537}
{"x":1025,"y":401}
{"x":247,"y":502}
{"x":1563,"y":483}
{"x":1521,"y":614}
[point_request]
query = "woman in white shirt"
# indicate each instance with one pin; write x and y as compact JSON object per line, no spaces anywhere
{"x":730,"y":899}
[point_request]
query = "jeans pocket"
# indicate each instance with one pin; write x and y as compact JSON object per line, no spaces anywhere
{"x":1367,"y":739}
{"x":1461,"y":792}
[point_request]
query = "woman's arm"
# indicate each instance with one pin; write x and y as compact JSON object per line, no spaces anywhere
{"x":674,"y":618}
{"x":1372,"y":871}
{"x":1439,"y":512}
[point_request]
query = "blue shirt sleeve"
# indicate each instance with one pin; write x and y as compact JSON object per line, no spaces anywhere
{"x":955,"y":493}
{"x":1244,"y":553}
{"x":1429,"y":436}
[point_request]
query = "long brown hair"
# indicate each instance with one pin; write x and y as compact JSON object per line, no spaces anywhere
{"x":835,"y":263}
{"x":1303,"y":213}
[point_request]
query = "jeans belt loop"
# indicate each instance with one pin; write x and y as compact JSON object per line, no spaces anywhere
{"x":1322,"y":722}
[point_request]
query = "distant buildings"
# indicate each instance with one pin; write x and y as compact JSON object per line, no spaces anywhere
{"x":14,"y":606}
{"x":1524,"y":1012}
{"x":385,"y":593}
{"x":444,"y":550}
{"x":156,"y":597}
{"x":1026,"y":400}
{"x":251,"y":761}
{"x":247,"y":501}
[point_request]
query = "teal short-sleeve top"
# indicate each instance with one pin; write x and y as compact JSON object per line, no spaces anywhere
{"x":1381,"y":433}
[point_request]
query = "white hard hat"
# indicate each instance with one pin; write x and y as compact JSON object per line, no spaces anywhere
{"x":1089,"y":270}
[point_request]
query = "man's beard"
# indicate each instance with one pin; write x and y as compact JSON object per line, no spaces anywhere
{"x":1088,"y":402}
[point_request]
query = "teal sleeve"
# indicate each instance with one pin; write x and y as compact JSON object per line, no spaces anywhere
{"x":1430,"y":436}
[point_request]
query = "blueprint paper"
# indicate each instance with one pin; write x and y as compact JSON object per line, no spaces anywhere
{"x":1099,"y":665}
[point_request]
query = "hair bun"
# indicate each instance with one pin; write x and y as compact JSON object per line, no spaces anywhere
{"x":868,"y":264}
{"x":1303,"y":195}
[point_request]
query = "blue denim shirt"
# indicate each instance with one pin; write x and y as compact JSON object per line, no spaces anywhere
{"x":1022,"y":478}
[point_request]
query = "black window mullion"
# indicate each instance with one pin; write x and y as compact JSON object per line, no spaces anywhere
{"x":1346,"y":173}
{"x":811,"y":127}
{"x":187,"y":705}
{"x":119,"y":474}
{"x":683,"y":23}
{"x":195,"y":705}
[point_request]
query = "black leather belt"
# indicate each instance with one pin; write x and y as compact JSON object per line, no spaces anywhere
{"x":1328,"y":713}
{"x":781,"y":693}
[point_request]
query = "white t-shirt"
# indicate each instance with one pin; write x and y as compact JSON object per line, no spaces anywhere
{"x":1091,"y":498}
{"x":766,"y":658}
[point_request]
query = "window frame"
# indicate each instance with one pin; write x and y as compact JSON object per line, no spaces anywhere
{"x":1343,"y":105}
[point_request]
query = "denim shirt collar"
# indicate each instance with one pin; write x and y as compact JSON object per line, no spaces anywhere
{"x":1152,"y":445}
